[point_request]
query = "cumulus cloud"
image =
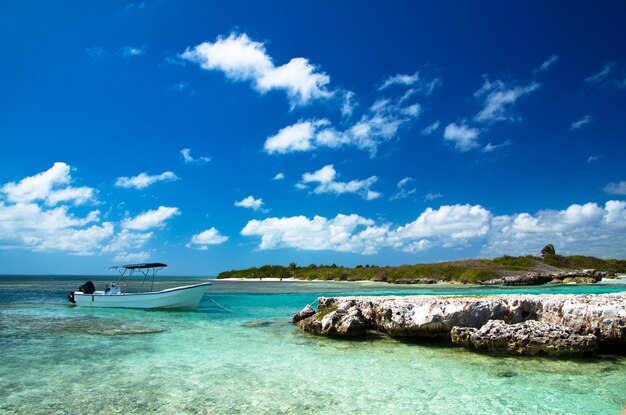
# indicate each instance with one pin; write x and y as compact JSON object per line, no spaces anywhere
{"x":127,"y":240}
{"x":243,"y":59}
{"x":151,"y":219}
{"x":379,"y":124}
{"x":297,"y":137}
{"x":448,"y":225}
{"x":616,"y":188}
{"x":205,"y":238}
{"x":337,"y":234}
{"x":143,"y":180}
{"x":591,"y":159}
{"x":28,"y":225}
{"x":35,"y":214}
{"x":588,"y":228}
{"x":186,"y":153}
{"x":279,"y":176}
{"x":326,"y":183}
{"x":251,"y":203}
{"x":51,"y":186}
{"x":462,"y":136}
{"x":580,"y":123}
{"x":498,"y":98}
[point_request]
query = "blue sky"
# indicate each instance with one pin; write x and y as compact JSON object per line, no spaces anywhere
{"x":222,"y":136}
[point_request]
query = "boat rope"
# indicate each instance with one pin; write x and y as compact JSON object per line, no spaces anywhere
{"x":221,"y":306}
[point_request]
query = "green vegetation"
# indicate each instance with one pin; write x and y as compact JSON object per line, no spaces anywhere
{"x":548,"y":250}
{"x":466,"y":271}
{"x":324,"y":312}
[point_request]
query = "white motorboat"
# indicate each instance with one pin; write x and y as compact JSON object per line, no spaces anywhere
{"x":116,"y":295}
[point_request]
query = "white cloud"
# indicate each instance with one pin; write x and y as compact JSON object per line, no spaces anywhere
{"x":250,"y":203}
{"x":28,"y":225}
{"x":547,"y":64}
{"x":143,"y":180}
{"x":579,"y":123}
{"x":579,"y":229}
{"x":50,"y":186}
{"x":242,"y":59}
{"x":130,"y":51}
{"x":463,"y":136}
{"x":453,"y":223}
{"x":348,"y":104}
{"x":616,"y":188}
{"x":591,"y":159}
{"x":30,"y":218}
{"x":205,"y":238}
{"x":319,"y":233}
{"x":296,"y":137}
{"x":186,"y":153}
{"x":490,"y":148}
{"x":326,"y":183}
{"x":379,"y":124}
{"x":582,"y":229}
{"x":448,"y":226}
{"x":279,"y":176}
{"x":126,"y":240}
{"x":421,"y":85}
{"x":600,"y":76}
{"x":432,"y":196}
{"x":431,"y":128}
{"x":150,"y":219}
{"x":498,"y":98}
{"x":404,"y":189}
{"x":137,"y":257}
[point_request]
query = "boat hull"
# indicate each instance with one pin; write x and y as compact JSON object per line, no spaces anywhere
{"x":180,"y":297}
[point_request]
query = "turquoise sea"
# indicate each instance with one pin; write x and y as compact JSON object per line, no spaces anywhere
{"x":238,"y":353}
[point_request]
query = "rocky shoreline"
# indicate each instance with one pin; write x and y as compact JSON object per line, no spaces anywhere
{"x":586,"y":276}
{"x":553,"y":324}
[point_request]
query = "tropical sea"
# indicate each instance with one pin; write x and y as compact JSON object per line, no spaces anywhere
{"x":238,"y":353}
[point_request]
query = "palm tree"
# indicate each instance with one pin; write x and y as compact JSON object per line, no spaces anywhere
{"x":293,"y":267}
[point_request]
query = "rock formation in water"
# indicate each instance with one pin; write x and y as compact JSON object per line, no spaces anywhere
{"x":586,"y":276}
{"x":602,"y":316}
{"x":529,"y":338}
{"x":304,"y":313}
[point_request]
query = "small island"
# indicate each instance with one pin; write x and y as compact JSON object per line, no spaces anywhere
{"x":550,"y":267}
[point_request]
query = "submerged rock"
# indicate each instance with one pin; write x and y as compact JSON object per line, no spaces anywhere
{"x":304,"y":313}
{"x":257,"y":323}
{"x":528,"y":338}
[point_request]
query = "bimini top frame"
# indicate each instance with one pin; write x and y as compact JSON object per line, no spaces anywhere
{"x":147,"y":270}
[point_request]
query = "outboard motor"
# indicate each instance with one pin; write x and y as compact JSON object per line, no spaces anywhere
{"x":86,"y":288}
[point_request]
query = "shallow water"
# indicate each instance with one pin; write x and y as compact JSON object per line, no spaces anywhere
{"x":62,"y":359}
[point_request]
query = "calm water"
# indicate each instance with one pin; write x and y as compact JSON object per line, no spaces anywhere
{"x":61,"y":359}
